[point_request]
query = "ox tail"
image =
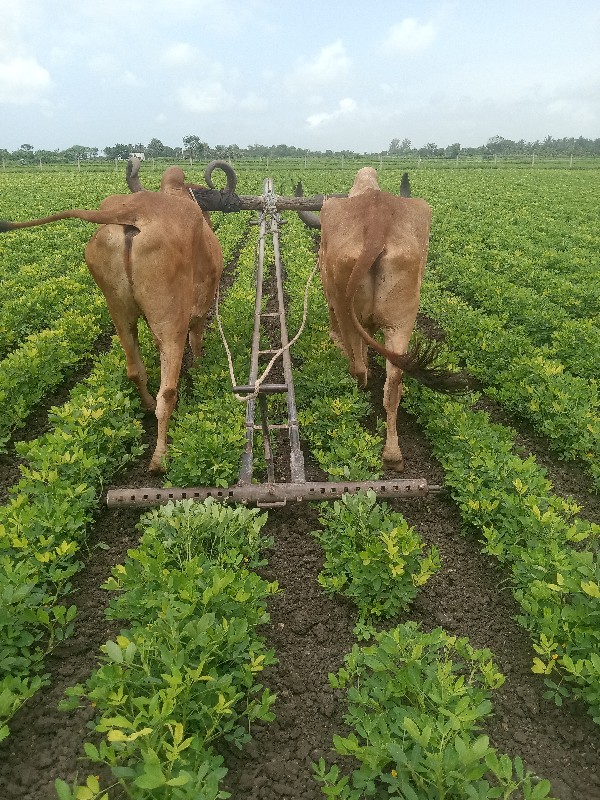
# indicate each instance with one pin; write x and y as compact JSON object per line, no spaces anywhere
{"x":419,"y":361}
{"x":123,"y":217}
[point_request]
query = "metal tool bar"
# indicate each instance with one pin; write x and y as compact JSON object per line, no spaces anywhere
{"x":296,"y":456}
{"x":246,"y":462}
{"x":270,"y":495}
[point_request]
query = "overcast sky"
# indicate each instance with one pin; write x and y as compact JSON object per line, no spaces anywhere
{"x":318,"y":75}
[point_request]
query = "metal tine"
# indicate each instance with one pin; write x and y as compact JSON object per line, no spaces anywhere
{"x":266,"y":432}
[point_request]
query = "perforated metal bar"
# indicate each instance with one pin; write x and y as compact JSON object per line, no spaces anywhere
{"x":272,"y":494}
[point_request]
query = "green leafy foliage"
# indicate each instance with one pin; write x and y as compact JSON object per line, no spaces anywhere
{"x":183,"y":673}
{"x":561,"y":406}
{"x":415,"y":704}
{"x":552,"y":554}
{"x":43,"y":526}
{"x":208,"y":431}
{"x":372,"y":556}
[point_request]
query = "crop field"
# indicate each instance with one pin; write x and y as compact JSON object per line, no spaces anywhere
{"x":437,"y":648}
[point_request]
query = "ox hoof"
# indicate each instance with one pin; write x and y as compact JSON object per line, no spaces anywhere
{"x":362,"y":378}
{"x":393,"y":462}
{"x":157,"y":465}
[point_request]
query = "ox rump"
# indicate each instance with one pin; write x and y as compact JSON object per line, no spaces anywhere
{"x":154,"y":255}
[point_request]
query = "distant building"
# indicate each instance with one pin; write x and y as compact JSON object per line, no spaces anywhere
{"x":141,"y":156}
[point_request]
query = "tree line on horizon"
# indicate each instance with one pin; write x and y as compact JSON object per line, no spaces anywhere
{"x":193,"y":147}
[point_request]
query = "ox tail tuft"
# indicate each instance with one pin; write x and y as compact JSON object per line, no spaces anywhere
{"x":5,"y":226}
{"x":419,"y":363}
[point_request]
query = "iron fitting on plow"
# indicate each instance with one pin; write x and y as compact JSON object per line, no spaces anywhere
{"x":267,"y":495}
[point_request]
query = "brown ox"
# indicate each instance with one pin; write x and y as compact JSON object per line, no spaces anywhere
{"x":154,"y":256}
{"x":372,"y":258}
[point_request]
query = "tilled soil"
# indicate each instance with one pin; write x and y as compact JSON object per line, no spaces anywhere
{"x":310,"y":633}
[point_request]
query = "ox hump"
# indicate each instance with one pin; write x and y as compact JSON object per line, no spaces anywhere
{"x":173,"y":179}
{"x":366,"y":178}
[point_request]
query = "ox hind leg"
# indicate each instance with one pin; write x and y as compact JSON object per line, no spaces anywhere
{"x":396,"y":340}
{"x":196,"y":335}
{"x":125,"y":319}
{"x":171,"y":356}
{"x":345,"y":335}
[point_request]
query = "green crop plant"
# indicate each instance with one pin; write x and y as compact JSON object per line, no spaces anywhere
{"x":183,"y":673}
{"x":416,"y":702}
{"x":372,"y":556}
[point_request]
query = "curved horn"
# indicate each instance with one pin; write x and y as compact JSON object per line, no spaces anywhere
{"x":131,"y":175}
{"x":310,"y":219}
{"x":227,"y":169}
{"x":405,"y":186}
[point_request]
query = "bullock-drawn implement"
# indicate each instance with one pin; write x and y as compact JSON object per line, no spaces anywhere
{"x":271,"y":493}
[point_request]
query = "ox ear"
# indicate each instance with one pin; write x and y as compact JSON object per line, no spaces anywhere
{"x":131,"y":175}
{"x":310,"y":219}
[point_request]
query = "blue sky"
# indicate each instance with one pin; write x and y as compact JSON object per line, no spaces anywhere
{"x":317,"y":75}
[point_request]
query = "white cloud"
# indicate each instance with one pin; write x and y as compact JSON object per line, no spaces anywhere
{"x":203,"y":98}
{"x":253,"y":102}
{"x":330,"y":65}
{"x":130,"y":79}
{"x":104,"y":64}
{"x":345,"y":106}
{"x":408,"y":37}
{"x":23,"y":81}
{"x":109,"y":67}
{"x":180,"y":55}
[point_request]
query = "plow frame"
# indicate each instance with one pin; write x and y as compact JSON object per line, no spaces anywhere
{"x":270,"y":494}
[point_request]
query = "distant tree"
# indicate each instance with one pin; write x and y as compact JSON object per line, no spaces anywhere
{"x":25,"y":152}
{"x":452,"y":150}
{"x":78,"y":151}
{"x":234,"y":151}
{"x":194,"y":148}
{"x":120,"y":151}
{"x":431,"y":150}
{"x":156,"y":149}
{"x":257,"y":150}
{"x":399,"y":148}
{"x":498,"y":145}
{"x":49,"y":156}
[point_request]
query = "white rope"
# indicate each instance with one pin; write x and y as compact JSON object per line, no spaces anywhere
{"x":259,"y":381}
